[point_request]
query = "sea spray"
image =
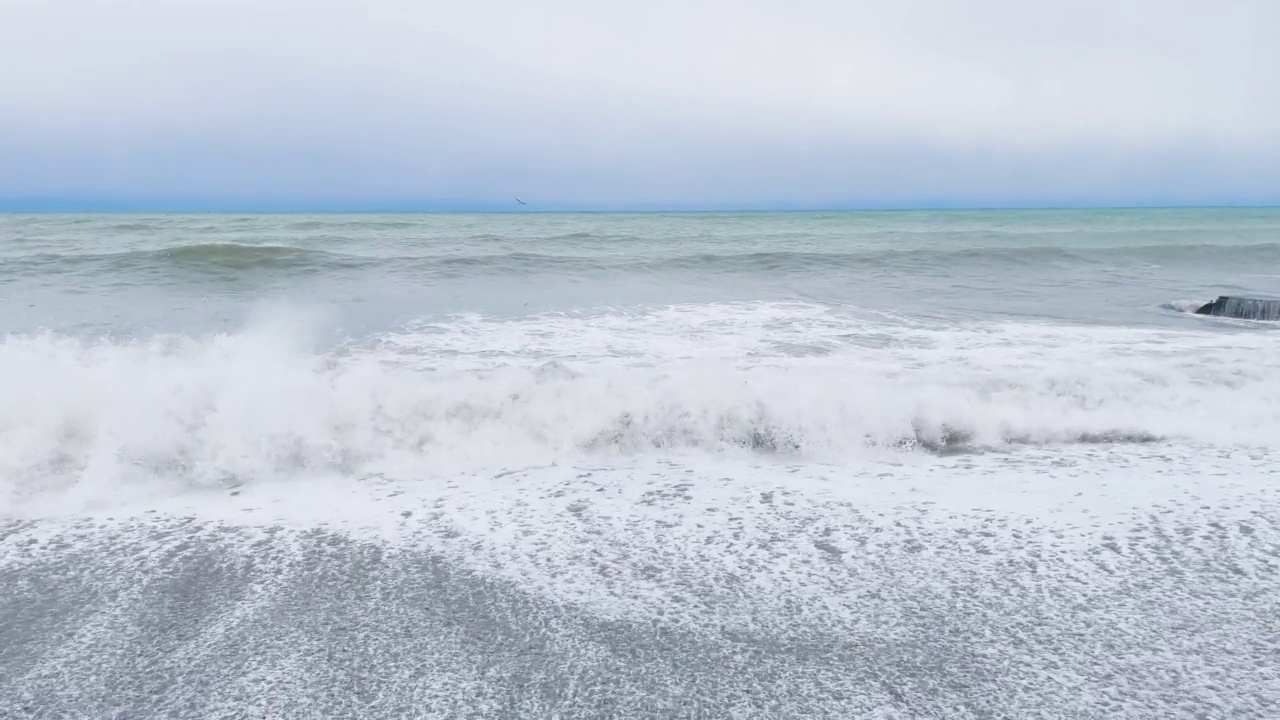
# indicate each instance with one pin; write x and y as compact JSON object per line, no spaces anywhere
{"x":485,"y":392}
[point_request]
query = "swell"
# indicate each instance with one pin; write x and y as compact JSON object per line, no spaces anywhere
{"x":237,"y":258}
{"x":989,"y":256}
{"x":205,"y":256}
{"x":788,"y":261}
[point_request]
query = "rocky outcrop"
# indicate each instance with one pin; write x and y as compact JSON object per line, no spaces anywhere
{"x":1242,"y":308}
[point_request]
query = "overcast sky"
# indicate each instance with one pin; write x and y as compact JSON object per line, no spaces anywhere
{"x":596,"y":104}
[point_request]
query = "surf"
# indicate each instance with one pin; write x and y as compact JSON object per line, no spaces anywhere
{"x":480,"y":392}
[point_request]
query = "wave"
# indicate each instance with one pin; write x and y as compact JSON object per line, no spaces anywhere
{"x":949,"y":257}
{"x":235,"y":256}
{"x":913,"y":260}
{"x":475,"y":392}
{"x":604,"y":258}
{"x":200,"y":257}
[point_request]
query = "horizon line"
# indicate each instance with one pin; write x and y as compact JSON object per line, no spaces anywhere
{"x":33,"y":206}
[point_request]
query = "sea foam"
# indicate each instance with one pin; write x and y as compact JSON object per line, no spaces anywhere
{"x":472,"y":392}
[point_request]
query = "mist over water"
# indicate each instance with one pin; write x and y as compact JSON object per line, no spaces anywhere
{"x":828,"y":440}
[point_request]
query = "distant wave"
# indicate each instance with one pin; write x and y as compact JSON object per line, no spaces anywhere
{"x":439,"y":262}
{"x":242,"y":256}
{"x":443,"y":260}
{"x":205,"y":256}
{"x":133,"y":227}
{"x":805,"y":261}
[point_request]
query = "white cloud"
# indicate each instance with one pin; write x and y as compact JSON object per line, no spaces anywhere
{"x":646,"y":102}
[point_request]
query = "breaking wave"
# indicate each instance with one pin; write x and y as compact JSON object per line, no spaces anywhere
{"x":474,"y":392}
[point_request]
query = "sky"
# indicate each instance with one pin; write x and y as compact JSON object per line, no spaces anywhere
{"x":400,"y":104}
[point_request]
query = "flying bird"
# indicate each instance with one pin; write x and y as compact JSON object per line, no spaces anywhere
{"x":521,"y":201}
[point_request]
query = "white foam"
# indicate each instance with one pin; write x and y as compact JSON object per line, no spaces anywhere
{"x":1067,"y":561}
{"x":633,"y":540}
{"x":473,"y":393}
{"x":1187,"y":306}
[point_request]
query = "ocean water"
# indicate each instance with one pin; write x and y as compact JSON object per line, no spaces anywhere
{"x":877,"y":464}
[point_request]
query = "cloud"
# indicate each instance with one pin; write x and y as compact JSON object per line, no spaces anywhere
{"x":662,"y":102}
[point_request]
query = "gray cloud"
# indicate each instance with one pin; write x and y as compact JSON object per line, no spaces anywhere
{"x":597,"y":104}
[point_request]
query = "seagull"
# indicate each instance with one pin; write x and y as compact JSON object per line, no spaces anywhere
{"x":521,"y":201}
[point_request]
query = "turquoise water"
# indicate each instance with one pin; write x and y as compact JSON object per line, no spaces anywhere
{"x":129,"y":274}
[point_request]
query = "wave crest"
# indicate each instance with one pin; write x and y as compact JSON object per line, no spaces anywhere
{"x":516,"y":259}
{"x":198,"y":258}
{"x":480,"y":392}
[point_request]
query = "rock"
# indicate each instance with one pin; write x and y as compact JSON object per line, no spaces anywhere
{"x":1242,"y":308}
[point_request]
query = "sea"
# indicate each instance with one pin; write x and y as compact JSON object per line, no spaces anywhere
{"x":925,"y":464}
